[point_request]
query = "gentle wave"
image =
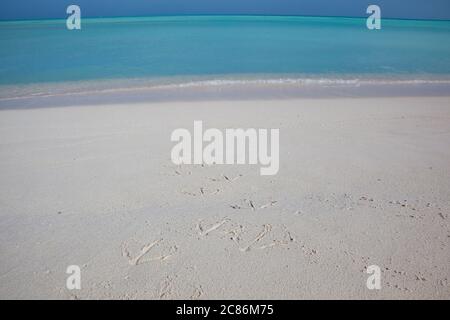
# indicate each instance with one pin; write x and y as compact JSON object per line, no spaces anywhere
{"x":105,"y":87}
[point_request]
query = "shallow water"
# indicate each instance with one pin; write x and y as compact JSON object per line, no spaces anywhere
{"x":112,"y":53}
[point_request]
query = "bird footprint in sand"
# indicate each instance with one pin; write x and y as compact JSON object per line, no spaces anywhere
{"x":140,"y":257}
{"x":226,"y":178}
{"x":202,"y":192}
{"x":201,"y":230}
{"x":273,"y":236}
{"x":267,"y":230}
{"x":250,"y":204}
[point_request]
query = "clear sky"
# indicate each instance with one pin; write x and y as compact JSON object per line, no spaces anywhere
{"x":40,"y":9}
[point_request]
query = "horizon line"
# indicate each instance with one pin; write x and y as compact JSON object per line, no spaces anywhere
{"x":221,"y":15}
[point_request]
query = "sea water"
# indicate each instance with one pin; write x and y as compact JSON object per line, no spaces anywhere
{"x":43,"y":57}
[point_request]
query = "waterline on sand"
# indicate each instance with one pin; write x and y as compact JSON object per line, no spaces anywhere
{"x":217,"y":88}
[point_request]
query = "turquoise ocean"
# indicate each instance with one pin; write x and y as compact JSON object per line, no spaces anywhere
{"x":43,"y":57}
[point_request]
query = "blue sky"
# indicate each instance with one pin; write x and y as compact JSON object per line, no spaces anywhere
{"x":410,"y":9}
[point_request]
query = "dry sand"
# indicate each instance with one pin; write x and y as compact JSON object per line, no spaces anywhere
{"x":361,"y":182}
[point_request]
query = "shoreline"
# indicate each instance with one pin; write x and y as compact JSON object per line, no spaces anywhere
{"x":184,"y":89}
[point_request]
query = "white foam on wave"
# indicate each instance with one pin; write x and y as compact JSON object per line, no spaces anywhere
{"x":135,"y":85}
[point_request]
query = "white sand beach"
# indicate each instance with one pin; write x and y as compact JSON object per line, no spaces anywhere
{"x":362,"y":181}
